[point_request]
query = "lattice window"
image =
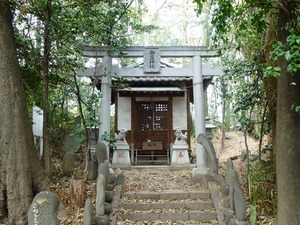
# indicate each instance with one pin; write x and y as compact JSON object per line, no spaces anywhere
{"x":161,"y":107}
{"x":152,"y":116}
{"x":161,"y":116}
{"x":144,"y":117}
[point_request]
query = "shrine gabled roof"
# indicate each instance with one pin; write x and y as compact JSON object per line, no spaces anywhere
{"x":157,"y":79}
{"x":145,"y":91}
{"x":152,"y":89}
{"x":164,"y":79}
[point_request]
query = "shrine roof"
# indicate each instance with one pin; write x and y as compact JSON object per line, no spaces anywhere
{"x":157,"y":79}
{"x":152,"y":89}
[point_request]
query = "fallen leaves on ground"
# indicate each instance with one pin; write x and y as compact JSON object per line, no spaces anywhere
{"x":159,"y":179}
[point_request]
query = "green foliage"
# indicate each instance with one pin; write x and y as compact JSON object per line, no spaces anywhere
{"x":120,"y":83}
{"x":238,"y":24}
{"x":248,"y":28}
{"x":199,"y":5}
{"x":107,"y":138}
{"x":72,"y":24}
{"x":139,"y":28}
{"x":78,"y":133}
{"x":263,"y":188}
{"x":239,"y":27}
{"x":290,"y":51}
{"x":243,"y":86}
{"x":272,"y":71}
{"x":252,"y":215}
{"x":296,"y":108}
{"x":278,"y":50}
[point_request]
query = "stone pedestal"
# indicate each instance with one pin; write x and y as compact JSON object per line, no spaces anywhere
{"x":121,"y":156}
{"x":199,"y":175}
{"x":180,"y":154}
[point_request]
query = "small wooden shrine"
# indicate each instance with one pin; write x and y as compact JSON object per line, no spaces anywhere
{"x":154,"y":111}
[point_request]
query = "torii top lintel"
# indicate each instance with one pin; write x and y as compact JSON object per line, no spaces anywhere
{"x":165,"y":51}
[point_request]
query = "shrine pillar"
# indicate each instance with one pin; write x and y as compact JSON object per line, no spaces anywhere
{"x":198,"y":92}
{"x":104,"y":127}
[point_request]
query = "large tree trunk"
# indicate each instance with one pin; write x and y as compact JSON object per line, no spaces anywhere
{"x":46,"y":158}
{"x":20,"y":172}
{"x":288,"y":133}
{"x":271,"y":82}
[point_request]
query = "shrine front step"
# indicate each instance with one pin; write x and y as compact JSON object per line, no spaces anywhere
{"x":152,"y":160}
{"x":192,"y":207}
{"x":171,"y":216}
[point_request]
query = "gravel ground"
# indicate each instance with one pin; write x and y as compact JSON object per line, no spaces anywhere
{"x":191,"y":222}
{"x":159,"y":179}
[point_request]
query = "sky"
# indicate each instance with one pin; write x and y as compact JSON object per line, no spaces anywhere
{"x":176,"y":16}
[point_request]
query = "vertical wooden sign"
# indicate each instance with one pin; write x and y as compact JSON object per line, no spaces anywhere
{"x":152,"y":60}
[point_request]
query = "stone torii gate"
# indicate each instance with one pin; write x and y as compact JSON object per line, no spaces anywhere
{"x":151,"y":61}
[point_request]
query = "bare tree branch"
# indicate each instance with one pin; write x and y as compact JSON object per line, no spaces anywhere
{"x":283,"y":6}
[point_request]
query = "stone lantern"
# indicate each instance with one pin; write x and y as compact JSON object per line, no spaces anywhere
{"x":209,"y":128}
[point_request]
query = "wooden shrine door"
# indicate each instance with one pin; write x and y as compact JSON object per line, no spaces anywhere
{"x":152,"y":123}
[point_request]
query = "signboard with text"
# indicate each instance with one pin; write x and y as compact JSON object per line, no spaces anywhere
{"x":152,"y":60}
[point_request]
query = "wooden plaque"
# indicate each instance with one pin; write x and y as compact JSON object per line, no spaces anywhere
{"x":153,"y":145}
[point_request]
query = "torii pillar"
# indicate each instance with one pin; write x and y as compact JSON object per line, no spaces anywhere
{"x":104,"y":127}
{"x":198,"y":174}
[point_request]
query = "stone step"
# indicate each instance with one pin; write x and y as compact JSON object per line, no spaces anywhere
{"x":154,"y":161}
{"x":187,"y":205}
{"x":170,"y":195}
{"x":171,"y":216}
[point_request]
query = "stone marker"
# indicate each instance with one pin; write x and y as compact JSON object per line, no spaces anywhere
{"x":240,"y":204}
{"x":102,"y":220}
{"x":231,"y":176}
{"x":101,"y":152}
{"x":108,"y":208}
{"x":109,"y":196}
{"x":88,"y":212}
{"x":71,"y":143}
{"x":44,"y":209}
{"x":68,"y":164}
{"x":229,"y":214}
{"x":120,"y":179}
{"x":104,"y":170}
{"x":62,"y":212}
{"x":92,"y":170}
{"x":232,"y":221}
{"x":100,"y":197}
{"x":112,"y":176}
{"x":237,"y":200}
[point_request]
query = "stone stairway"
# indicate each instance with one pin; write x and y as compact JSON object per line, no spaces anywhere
{"x":180,"y":207}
